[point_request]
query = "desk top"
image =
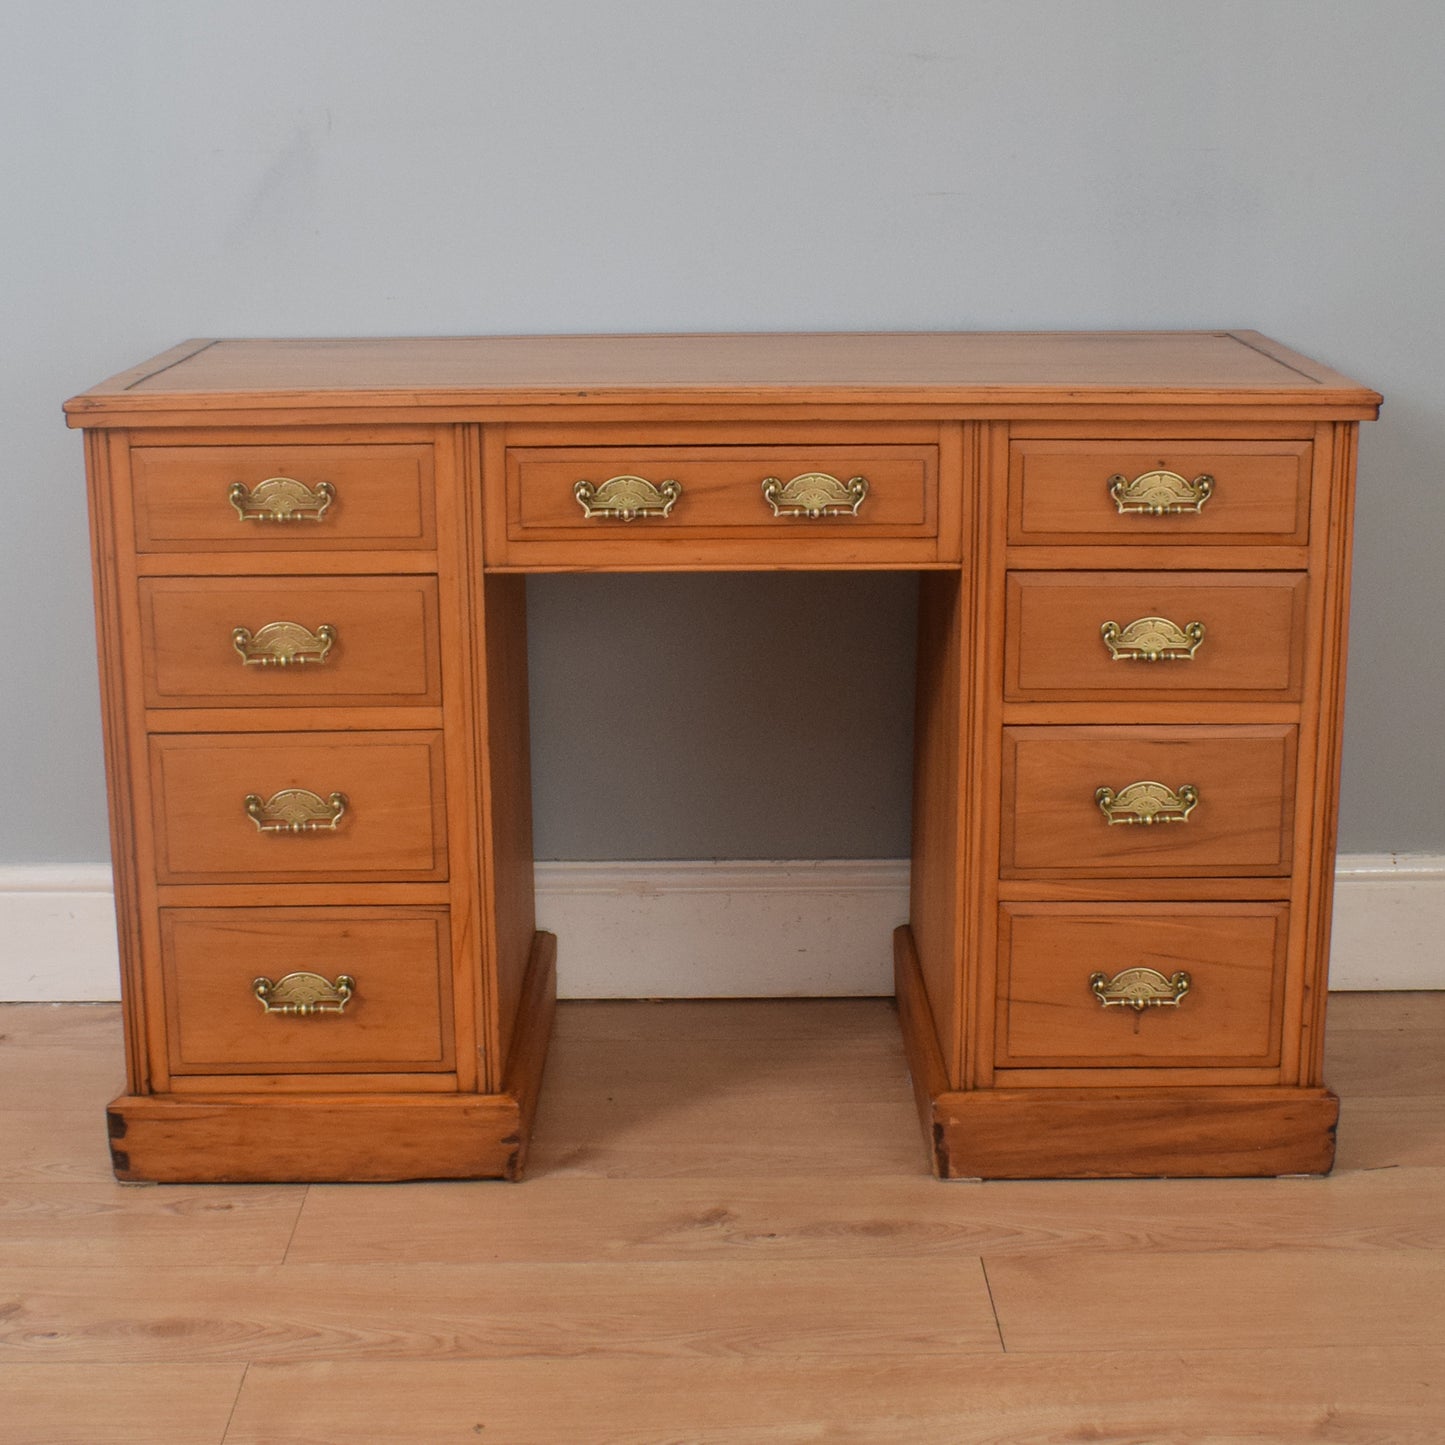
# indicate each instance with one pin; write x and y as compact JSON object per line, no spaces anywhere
{"x":958,"y":369}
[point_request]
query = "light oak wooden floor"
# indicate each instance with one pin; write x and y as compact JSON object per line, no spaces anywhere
{"x":728,"y":1235}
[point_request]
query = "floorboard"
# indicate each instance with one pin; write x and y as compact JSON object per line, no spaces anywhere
{"x":728,"y":1235}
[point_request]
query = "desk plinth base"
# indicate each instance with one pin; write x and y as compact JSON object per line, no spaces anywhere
{"x":1104,"y":1133}
{"x":320,"y":1138}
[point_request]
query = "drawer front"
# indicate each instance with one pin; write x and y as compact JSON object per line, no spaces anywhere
{"x":1139,"y":635}
{"x":311,"y":641}
{"x":261,"y":807}
{"x":397,"y":1007}
{"x":721,"y":489}
{"x":1055,"y":824}
{"x":1063,"y":492}
{"x":281,"y":498}
{"x":1050,"y":1017}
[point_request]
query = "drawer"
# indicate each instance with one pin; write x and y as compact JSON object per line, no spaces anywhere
{"x":396,"y":1018}
{"x":351,"y":641}
{"x":1174,"y":635}
{"x":1050,"y":1016}
{"x":285,"y":497}
{"x":1063,"y":492}
{"x":1242,"y":779}
{"x":390,"y":822}
{"x":722,"y":492}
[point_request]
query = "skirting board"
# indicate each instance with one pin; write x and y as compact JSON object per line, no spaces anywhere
{"x":717,"y":930}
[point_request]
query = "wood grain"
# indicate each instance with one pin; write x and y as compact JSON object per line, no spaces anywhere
{"x":103,"y":1404}
{"x":759,"y":1217}
{"x":300,"y":1311}
{"x":1182,"y":368}
{"x":386,"y":650}
{"x":990,"y":458}
{"x":1283,"y":1299}
{"x":1253,"y":647}
{"x":60,"y":1225}
{"x":717,"y":1289}
{"x":1370,"y":1396}
{"x":383,"y":490}
{"x":1053,"y":825}
{"x":1059,"y":492}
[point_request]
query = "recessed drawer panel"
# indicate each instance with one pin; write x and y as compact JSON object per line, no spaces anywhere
{"x":284,"y":497}
{"x":298,"y":807}
{"x":1185,"y":985}
{"x":645,"y":496}
{"x":1140,"y":635}
{"x":1147,"y":801}
{"x":290,"y":642}
{"x":345,"y":989}
{"x":1141,"y":493}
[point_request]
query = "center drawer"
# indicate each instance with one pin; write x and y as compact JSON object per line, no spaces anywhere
{"x":1147,"y":801}
{"x":671,"y":503}
{"x":298,"y":807}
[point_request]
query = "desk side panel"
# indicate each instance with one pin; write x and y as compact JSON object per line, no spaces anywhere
{"x":936,"y":761}
{"x":507,"y":793}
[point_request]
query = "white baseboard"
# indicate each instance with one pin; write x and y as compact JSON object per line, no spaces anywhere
{"x":1389,"y":929}
{"x":709,"y":930}
{"x":57,"y":934}
{"x":723,"y":930}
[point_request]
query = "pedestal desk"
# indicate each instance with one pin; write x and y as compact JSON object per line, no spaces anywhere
{"x":309,"y":564}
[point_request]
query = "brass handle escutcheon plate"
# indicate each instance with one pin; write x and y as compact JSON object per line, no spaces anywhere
{"x":283,"y":644}
{"x":281,"y":499}
{"x":1147,"y":803}
{"x":1140,"y":988}
{"x":1160,"y":493}
{"x":1152,"y":639}
{"x":626,"y":498}
{"x":812,"y":495}
{"x":295,"y":810}
{"x":304,"y":995}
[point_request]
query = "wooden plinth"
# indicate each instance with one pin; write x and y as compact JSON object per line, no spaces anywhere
{"x":1102,"y":1133}
{"x":313,"y":1138}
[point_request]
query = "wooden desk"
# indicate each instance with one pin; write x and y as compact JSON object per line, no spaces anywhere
{"x":309,"y":578}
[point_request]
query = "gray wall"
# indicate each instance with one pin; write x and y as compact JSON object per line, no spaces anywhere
{"x":173,"y":168}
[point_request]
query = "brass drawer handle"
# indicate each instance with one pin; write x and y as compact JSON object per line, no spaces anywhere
{"x":295,"y":810}
{"x":304,"y":995}
{"x":283,"y":644}
{"x":281,"y":499}
{"x":815,"y":494}
{"x":1152,"y":639}
{"x":626,"y":498}
{"x":1160,"y":493}
{"x":1140,"y":988}
{"x":1147,"y":803}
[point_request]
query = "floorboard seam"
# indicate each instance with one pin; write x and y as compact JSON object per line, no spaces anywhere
{"x":295,"y":1225}
{"x":231,"y":1414}
{"x":997,"y":1323}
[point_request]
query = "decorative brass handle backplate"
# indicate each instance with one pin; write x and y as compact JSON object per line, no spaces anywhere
{"x":1159,"y":493}
{"x":1140,"y":988}
{"x":1152,"y":639}
{"x":1147,"y":803}
{"x":295,"y":810}
{"x":815,"y":494}
{"x":304,"y":995}
{"x":281,"y":499}
{"x":283,"y":644}
{"x":626,"y":498}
